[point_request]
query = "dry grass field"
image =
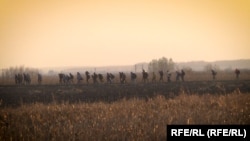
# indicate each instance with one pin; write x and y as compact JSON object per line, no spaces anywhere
{"x":134,"y":119}
{"x":119,"y":111}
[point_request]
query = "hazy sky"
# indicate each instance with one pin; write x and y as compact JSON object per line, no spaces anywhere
{"x":44,"y":33}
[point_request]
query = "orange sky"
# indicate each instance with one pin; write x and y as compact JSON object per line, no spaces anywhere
{"x":50,"y":33}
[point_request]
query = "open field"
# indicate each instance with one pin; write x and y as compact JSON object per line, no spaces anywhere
{"x":131,"y":111}
{"x":16,"y":95}
{"x":50,"y":90}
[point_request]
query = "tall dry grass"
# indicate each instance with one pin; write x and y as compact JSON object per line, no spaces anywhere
{"x":133,"y":119}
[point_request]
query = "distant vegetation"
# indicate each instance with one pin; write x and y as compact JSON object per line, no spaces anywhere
{"x":162,"y":64}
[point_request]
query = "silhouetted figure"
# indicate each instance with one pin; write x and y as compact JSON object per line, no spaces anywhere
{"x":66,"y":79}
{"x":122,"y":77}
{"x":161,"y":76}
{"x":144,"y":76}
{"x":182,"y":75}
{"x":237,"y":73}
{"x":100,"y":76}
{"x":133,"y":76}
{"x":94,"y":77}
{"x":110,"y":77}
{"x":71,"y":78}
{"x":79,"y":77}
{"x":26,"y":78}
{"x":18,"y":78}
{"x":61,"y":78}
{"x":214,"y":73}
{"x":87,"y":76}
{"x":39,"y":78}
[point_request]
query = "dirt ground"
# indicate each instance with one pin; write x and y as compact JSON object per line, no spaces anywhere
{"x":16,"y":95}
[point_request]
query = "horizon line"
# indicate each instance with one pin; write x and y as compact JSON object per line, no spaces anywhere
{"x":100,"y":66}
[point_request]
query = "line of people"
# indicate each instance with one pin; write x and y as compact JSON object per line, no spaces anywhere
{"x":24,"y":78}
{"x":68,"y":78}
